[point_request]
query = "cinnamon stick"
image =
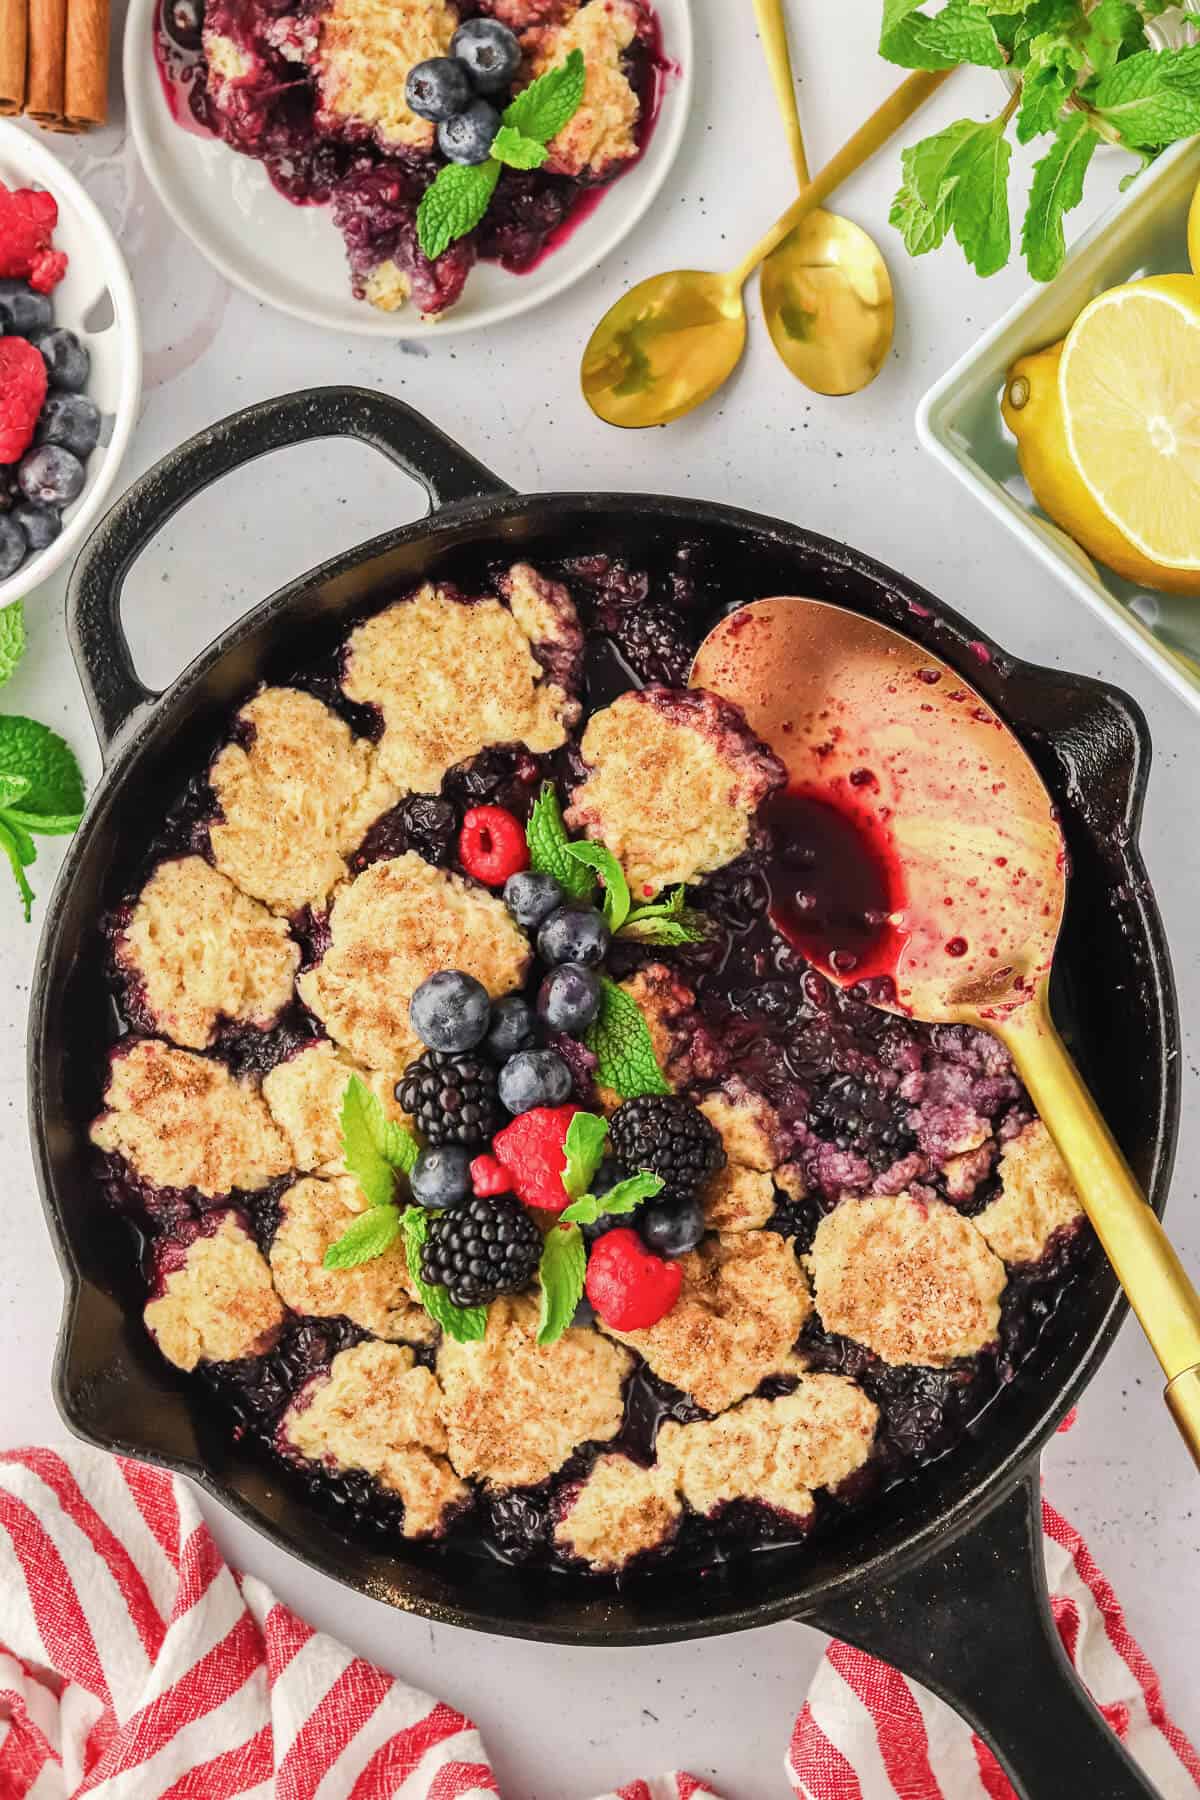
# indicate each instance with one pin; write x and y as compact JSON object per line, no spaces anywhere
{"x":45,"y":94}
{"x":86,"y":85}
{"x":14,"y":34}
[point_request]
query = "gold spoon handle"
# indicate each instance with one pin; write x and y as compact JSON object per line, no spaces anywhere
{"x":772,"y":29}
{"x":1157,"y":1284}
{"x":883,"y":123}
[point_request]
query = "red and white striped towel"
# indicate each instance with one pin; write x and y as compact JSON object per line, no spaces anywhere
{"x":134,"y":1665}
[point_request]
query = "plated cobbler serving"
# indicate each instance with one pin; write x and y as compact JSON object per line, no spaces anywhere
{"x":438,"y":131}
{"x":495,"y":1155}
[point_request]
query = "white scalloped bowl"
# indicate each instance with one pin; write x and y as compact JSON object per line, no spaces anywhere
{"x":94,"y":300}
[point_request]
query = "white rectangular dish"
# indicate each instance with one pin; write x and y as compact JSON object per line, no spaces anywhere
{"x":959,"y":420}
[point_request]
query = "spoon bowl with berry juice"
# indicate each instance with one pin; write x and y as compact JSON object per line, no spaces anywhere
{"x":915,"y":851}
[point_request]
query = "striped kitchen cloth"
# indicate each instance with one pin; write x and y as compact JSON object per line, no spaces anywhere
{"x":135,"y":1665}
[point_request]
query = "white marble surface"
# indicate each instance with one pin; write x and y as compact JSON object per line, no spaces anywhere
{"x":563,"y":1724}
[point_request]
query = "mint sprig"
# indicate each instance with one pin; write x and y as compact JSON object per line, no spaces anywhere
{"x":584,"y":1144}
{"x":625,"y":1197}
{"x":561,"y":1274}
{"x":456,"y":200}
{"x":619,"y":1039}
{"x":41,"y":788}
{"x":606,"y":866}
{"x":667,"y":921}
{"x":12,"y":639}
{"x":374,"y":1149}
{"x":546,"y":836}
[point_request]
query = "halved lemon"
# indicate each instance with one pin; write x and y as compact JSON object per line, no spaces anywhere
{"x":1129,"y":387}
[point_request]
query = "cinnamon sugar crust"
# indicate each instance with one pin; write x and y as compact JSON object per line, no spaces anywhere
{"x":379,"y":1295}
{"x":1038,"y":1198}
{"x":602,"y":135}
{"x":365,"y":51}
{"x":219,"y":1304}
{"x":620,"y":1511}
{"x":304,"y":1094}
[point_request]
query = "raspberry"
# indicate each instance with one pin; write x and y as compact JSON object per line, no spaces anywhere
{"x":533,"y":1150}
{"x":489,"y":1177}
{"x":630,"y":1288}
{"x":27,"y":221}
{"x":491,"y":845}
{"x":22,"y":391}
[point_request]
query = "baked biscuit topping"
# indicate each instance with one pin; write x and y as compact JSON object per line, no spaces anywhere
{"x":738,"y":1199}
{"x":748,"y":1124}
{"x":295,"y":799}
{"x":376,"y":1410}
{"x":675,"y":777}
{"x":603,"y":133}
{"x":365,"y":51}
{"x":202,"y":953}
{"x":305,"y":1094}
{"x":218,"y":1304}
{"x":182,"y":1121}
{"x":452,"y":676}
{"x":621,"y":1511}
{"x":399,"y":922}
{"x":911,"y":1279}
{"x":1038,"y":1198}
{"x":773,"y":1451}
{"x":379,"y":1295}
{"x":514,"y":1412}
{"x":743,"y":1301}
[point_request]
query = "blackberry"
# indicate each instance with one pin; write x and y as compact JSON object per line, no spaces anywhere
{"x":856,"y":1115}
{"x":481,"y":1250}
{"x":652,"y":640}
{"x":667,"y":1135}
{"x":452,"y":1098}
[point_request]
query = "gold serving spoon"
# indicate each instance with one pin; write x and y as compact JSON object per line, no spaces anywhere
{"x":963,"y":852}
{"x":670,"y":342}
{"x":826,"y":292}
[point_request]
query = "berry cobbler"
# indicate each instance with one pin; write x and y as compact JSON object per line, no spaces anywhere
{"x":363,"y":105}
{"x":497,"y":1162}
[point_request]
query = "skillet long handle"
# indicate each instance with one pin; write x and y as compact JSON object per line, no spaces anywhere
{"x":1145,"y":1262}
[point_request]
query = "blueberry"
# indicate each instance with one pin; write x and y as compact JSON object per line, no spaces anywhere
{"x":511,"y":1028}
{"x":14,"y":546}
{"x":68,"y":364}
{"x":23,"y":312}
{"x":569,"y":998}
{"x":50,"y":476}
{"x":183,"y":21}
{"x":41,"y":524}
{"x":585,"y":1312}
{"x":534,"y":1078}
{"x":531,"y":897}
{"x":450,"y":1011}
{"x":438,"y":89}
{"x":490,"y":51}
{"x":441,"y":1177}
{"x":574,"y":934}
{"x":468,"y":137}
{"x":673,"y":1229}
{"x":71,"y":420}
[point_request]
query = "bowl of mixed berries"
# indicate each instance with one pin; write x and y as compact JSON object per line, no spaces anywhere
{"x":70,"y":363}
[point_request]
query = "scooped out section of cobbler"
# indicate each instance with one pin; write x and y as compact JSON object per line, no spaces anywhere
{"x":495,"y":1165}
{"x":323,"y":95}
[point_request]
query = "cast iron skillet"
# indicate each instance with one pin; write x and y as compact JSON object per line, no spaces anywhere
{"x":944,"y":1576}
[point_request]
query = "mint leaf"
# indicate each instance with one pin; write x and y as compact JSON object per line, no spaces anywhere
{"x":373,"y":1232}
{"x":45,"y":824}
{"x":691,"y":927}
{"x":12,"y":788}
{"x":8,"y":846}
{"x":516,"y":151}
{"x":1057,"y":187}
{"x":625,"y":1197}
{"x":620,"y":1041}
{"x":12,"y":639}
{"x":48,"y":764}
{"x":560,"y":1275}
{"x":453,"y":204}
{"x":399,"y":1146}
{"x":364,"y":1130}
{"x":616,"y":888}
{"x":980,"y":200}
{"x":1151,"y":99}
{"x":960,"y":33}
{"x":1111,"y":31}
{"x":922,"y":227}
{"x":542,"y":109}
{"x":1053,"y":69}
{"x":547,"y":838}
{"x":584,"y":1146}
{"x":465,"y":1324}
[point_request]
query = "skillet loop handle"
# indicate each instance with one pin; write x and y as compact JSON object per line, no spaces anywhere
{"x":973,"y":1624}
{"x":94,"y":628}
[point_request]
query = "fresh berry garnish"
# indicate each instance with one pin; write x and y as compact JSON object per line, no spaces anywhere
{"x":629,"y":1288}
{"x":72,"y":421}
{"x":438,"y":88}
{"x":569,"y":998}
{"x":68,"y":363}
{"x":533,"y":1150}
{"x":14,"y":546}
{"x":534,"y":1078}
{"x":49,"y":476}
{"x":667,"y":1135}
{"x":606,"y":1177}
{"x":491,"y":845}
{"x":481,"y":1250}
{"x":441,"y":1177}
{"x":22,"y":391}
{"x":512,"y":1027}
{"x":490,"y":52}
{"x":22,"y":312}
{"x":674,"y":1229}
{"x":41,"y":524}
{"x":452,"y":1098}
{"x":531,"y":897}
{"x":450,"y":1011}
{"x":488,"y":1176}
{"x":574,"y":934}
{"x":27,"y":220}
{"x":468,"y":137}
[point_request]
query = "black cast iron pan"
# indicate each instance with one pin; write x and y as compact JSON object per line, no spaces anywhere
{"x":943,"y":1577}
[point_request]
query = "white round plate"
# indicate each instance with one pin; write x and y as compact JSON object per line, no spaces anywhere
{"x":293,"y":257}
{"x":94,"y":300}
